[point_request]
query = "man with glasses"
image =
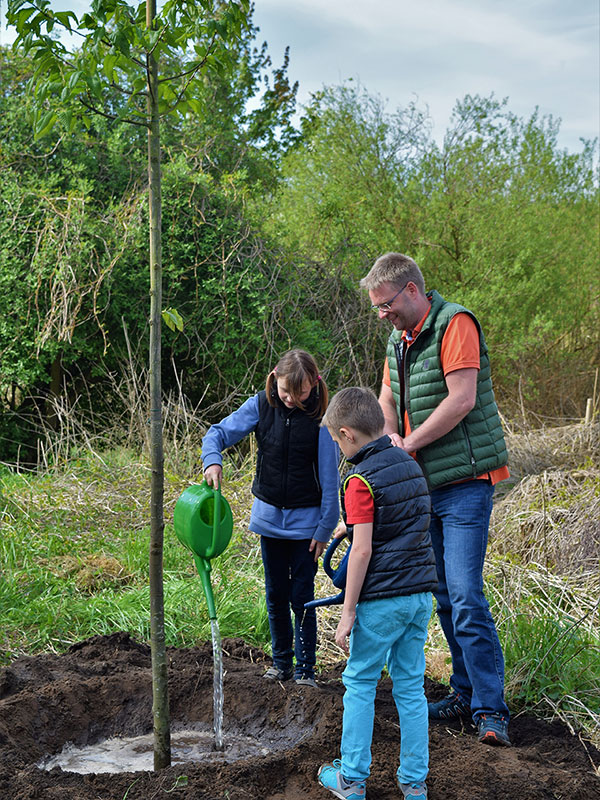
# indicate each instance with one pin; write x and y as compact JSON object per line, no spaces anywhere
{"x":438,"y":404}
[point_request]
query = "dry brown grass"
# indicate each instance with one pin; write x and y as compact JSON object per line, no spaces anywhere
{"x":546,"y":449}
{"x":551,"y":517}
{"x":90,"y":573}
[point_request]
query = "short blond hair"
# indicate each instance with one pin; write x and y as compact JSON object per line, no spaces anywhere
{"x":394,"y":268}
{"x":355,"y":407}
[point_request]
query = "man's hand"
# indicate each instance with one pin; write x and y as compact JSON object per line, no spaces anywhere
{"x":397,"y":440}
{"x":213,"y":475}
{"x":462,"y":393}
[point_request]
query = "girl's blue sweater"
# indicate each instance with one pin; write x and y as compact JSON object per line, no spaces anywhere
{"x":312,"y":522}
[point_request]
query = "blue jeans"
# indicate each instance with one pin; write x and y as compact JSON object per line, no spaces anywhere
{"x":290,"y":570}
{"x":460,"y":515}
{"x":391,"y":630}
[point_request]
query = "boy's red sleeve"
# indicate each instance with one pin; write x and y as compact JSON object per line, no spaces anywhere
{"x":358,"y":502}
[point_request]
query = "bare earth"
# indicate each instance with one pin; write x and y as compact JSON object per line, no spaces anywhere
{"x":102,"y":687}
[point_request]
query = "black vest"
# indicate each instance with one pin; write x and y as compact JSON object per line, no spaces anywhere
{"x":287,"y":466}
{"x":402,"y":560}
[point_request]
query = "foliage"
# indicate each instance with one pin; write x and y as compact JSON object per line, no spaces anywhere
{"x":266,"y":231}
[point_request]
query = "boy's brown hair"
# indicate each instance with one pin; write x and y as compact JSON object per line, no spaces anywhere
{"x":355,"y":407}
{"x":296,"y":366}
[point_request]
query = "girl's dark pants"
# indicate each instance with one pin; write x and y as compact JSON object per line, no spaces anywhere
{"x":290,"y":570}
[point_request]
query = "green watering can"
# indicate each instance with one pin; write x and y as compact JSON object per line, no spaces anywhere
{"x":203,"y":523}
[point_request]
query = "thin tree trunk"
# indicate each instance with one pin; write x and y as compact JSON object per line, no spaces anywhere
{"x":160,"y":697}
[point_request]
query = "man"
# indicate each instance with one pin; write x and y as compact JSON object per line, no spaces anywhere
{"x":438,"y":404}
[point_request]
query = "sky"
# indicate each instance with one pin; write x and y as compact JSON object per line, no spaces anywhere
{"x":542,"y":53}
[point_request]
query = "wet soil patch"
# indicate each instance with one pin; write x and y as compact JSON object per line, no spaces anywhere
{"x":101,"y":688}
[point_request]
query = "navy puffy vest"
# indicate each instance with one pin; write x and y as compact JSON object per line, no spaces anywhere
{"x":287,"y":473}
{"x":402,"y":560}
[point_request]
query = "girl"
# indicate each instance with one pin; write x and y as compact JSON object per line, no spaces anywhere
{"x":296,"y":499}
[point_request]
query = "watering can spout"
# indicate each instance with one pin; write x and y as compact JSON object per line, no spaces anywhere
{"x":203,"y":523}
{"x":338,"y":576}
{"x":203,"y":567}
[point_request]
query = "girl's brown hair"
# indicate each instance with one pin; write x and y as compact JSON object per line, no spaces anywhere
{"x":296,"y":366}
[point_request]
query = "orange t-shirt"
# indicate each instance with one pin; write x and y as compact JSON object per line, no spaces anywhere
{"x":460,"y":350}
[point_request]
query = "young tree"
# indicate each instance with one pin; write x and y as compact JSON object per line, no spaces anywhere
{"x":116,"y":73}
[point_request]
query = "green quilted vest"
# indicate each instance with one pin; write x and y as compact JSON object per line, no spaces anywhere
{"x":476,"y":445}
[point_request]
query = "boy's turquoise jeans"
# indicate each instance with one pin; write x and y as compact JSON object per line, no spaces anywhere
{"x":391,"y":630}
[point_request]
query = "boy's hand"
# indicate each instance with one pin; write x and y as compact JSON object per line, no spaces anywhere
{"x":318,"y":548}
{"x":340,"y":530}
{"x":343,"y":629}
{"x":213,"y":475}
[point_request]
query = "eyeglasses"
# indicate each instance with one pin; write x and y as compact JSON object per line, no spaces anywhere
{"x":388,"y":306}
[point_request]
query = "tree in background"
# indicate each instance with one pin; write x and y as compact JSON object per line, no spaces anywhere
{"x":115,"y":74}
{"x":498,"y":217}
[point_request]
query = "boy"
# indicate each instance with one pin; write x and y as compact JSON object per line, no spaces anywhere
{"x":387,"y":605}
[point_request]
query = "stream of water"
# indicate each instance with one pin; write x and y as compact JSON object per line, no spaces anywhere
{"x":217,"y":684}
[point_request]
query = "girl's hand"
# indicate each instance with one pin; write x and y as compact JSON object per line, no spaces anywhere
{"x":213,"y":475}
{"x":318,"y":548}
{"x":340,"y":530}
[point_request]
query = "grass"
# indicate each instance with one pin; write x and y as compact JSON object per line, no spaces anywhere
{"x":74,"y":553}
{"x":74,"y":563}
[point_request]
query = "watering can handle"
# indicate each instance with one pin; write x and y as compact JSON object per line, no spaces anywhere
{"x":333,"y":545}
{"x":338,"y":576}
{"x":216,"y":518}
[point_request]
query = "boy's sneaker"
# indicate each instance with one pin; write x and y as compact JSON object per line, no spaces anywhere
{"x":451,"y":707}
{"x":493,"y":729}
{"x":276,"y":674}
{"x":413,"y":791}
{"x":330,"y":776}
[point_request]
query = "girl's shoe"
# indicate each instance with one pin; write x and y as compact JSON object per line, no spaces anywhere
{"x":330,"y":776}
{"x":305,"y":680}
{"x":276,"y":674}
{"x":413,"y":791}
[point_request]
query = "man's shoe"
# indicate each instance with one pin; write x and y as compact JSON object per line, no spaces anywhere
{"x":330,"y":776}
{"x":451,"y":707}
{"x":413,"y":791}
{"x":276,"y":674}
{"x":493,"y":729}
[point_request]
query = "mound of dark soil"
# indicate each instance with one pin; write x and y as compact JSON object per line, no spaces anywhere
{"x":102,"y":687}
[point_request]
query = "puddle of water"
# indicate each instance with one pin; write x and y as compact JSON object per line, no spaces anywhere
{"x":135,"y":754}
